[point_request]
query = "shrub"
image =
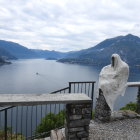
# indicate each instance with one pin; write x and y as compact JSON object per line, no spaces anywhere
{"x":13,"y":136}
{"x":130,"y":106}
{"x":49,"y":122}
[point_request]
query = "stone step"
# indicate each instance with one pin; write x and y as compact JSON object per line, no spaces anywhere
{"x":48,"y":138}
{"x":57,"y":134}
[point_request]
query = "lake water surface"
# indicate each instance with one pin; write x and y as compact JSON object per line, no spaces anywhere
{"x":20,"y":77}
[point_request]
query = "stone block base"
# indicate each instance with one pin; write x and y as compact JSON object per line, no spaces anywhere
{"x":77,"y":121}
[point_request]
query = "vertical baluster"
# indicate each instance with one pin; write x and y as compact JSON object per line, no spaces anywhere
{"x":5,"y":123}
{"x":81,"y":87}
{"x":46,"y":110}
{"x":92,"y":96}
{"x":16,"y":121}
{"x":21,"y":120}
{"x":31,"y":120}
{"x":11,"y":122}
{"x":0,"y":120}
{"x":88,"y":89}
{"x":78,"y":88}
{"x":55,"y":109}
{"x":26,"y":122}
{"x":85,"y":89}
{"x":74,"y":87}
{"x":36,"y":116}
{"x":41,"y":111}
{"x":63,"y":115}
{"x":51,"y":116}
{"x":59,"y":112}
{"x":69,"y":87}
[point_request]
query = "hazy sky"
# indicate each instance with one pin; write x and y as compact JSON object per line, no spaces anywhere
{"x":66,"y":25}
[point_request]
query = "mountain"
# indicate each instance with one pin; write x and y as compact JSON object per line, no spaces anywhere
{"x":11,"y":50}
{"x":128,"y":47}
{"x":6,"y":55}
{"x":16,"y":50}
{"x":52,"y":55}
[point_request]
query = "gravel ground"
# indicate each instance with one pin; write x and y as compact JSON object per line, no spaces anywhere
{"x":128,"y":129}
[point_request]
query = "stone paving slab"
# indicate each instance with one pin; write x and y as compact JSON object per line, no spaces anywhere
{"x":48,"y":138}
{"x":128,"y":129}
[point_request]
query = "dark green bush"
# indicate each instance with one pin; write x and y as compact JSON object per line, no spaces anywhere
{"x":10,"y":136}
{"x":49,"y":122}
{"x":130,"y":106}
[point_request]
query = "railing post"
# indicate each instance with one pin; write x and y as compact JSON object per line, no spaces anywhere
{"x":92,"y":96}
{"x":69,"y":87}
{"x":5,"y":124}
{"x":138,"y":101}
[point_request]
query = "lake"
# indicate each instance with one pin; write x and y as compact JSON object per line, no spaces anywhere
{"x":20,"y":77}
{"x":45,"y":76}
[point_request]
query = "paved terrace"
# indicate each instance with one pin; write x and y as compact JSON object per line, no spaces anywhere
{"x":126,"y":129}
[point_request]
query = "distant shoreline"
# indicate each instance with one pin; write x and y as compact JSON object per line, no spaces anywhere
{"x":5,"y":63}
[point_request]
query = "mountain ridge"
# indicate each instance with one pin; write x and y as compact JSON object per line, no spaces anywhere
{"x":101,"y":53}
{"x":128,"y":47}
{"x":12,"y":50}
{"x":16,"y":50}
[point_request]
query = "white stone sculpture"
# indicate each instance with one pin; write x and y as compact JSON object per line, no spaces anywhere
{"x":113,"y":80}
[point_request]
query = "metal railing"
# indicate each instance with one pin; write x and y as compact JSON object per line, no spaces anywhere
{"x":22,"y":122}
{"x":136,"y":84}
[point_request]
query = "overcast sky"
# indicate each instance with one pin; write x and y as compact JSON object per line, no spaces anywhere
{"x":65,"y":25}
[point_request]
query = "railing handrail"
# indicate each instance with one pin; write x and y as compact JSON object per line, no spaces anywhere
{"x":63,"y":89}
{"x":5,"y":108}
{"x":82,"y":82}
{"x":133,"y":84}
{"x":40,"y":99}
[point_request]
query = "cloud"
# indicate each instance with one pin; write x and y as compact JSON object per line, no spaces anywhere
{"x":67,"y":25}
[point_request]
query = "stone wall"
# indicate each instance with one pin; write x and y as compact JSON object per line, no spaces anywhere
{"x":77,"y":121}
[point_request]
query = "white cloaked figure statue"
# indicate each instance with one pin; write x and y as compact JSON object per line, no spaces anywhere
{"x":113,"y":80}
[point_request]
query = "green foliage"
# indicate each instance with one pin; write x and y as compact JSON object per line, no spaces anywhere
{"x":93,"y":111}
{"x":10,"y":136}
{"x":130,"y":106}
{"x":50,"y":121}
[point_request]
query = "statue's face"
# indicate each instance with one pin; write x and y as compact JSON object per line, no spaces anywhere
{"x":113,"y":61}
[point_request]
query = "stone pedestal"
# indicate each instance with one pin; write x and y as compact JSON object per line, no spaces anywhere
{"x":102,"y":110}
{"x":77,"y":121}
